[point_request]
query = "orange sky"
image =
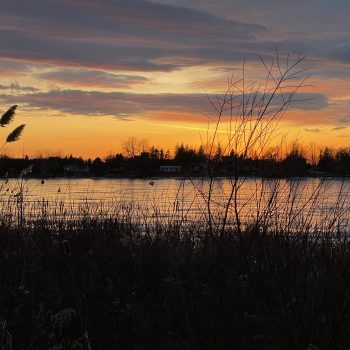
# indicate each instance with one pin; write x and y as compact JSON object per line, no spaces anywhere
{"x":88,"y":75}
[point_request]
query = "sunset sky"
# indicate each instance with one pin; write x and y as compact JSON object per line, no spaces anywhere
{"x":88,"y":74}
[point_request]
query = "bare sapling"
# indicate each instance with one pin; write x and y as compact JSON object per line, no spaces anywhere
{"x":250,"y":112}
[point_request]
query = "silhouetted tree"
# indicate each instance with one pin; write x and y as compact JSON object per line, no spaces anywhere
{"x":342,"y":160}
{"x":97,"y":167}
{"x":185,"y":155}
{"x":326,"y":160}
{"x":295,"y":163}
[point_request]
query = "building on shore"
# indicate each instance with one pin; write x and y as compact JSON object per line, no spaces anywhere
{"x":170,"y":169}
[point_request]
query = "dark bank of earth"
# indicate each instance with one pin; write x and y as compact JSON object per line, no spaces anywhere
{"x":185,"y":162}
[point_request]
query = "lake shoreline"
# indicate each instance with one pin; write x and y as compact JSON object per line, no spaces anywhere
{"x":179,"y":177}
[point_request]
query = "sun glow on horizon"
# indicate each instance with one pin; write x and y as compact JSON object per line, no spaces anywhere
{"x":85,"y":83}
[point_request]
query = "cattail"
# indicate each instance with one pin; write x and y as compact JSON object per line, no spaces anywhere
{"x":7,"y":117}
{"x":15,"y":134}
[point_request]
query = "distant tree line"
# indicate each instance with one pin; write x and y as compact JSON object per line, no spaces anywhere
{"x":146,"y":162}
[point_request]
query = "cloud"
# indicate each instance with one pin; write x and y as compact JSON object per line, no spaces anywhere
{"x":81,"y":54}
{"x":15,"y":87}
{"x":337,"y":128}
{"x":165,"y":35}
{"x":345,"y":119}
{"x":10,"y":69}
{"x":122,"y":104}
{"x":297,"y":16}
{"x":106,"y":17}
{"x":291,"y":25}
{"x":341,"y":53}
{"x":314,"y":131}
{"x":115,"y":34}
{"x":139,"y":35}
{"x":309,"y":101}
{"x":91,"y":78}
{"x":119,"y":104}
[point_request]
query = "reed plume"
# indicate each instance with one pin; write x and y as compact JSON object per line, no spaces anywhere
{"x":7,"y":117}
{"x":15,"y":134}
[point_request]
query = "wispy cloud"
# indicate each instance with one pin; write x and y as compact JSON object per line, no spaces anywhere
{"x":337,"y":128}
{"x":91,"y":78}
{"x":15,"y":87}
{"x":314,"y":131}
{"x":345,"y":119}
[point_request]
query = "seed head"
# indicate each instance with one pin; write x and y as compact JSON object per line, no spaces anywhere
{"x":15,"y":134}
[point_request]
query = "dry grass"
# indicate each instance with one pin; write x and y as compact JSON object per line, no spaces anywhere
{"x":116,"y":284}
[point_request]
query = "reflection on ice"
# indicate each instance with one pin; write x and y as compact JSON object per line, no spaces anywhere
{"x":309,"y":204}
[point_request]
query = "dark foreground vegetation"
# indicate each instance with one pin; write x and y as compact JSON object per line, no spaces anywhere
{"x":93,"y":284}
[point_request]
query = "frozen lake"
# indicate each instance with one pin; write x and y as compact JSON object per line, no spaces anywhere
{"x":320,"y":203}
